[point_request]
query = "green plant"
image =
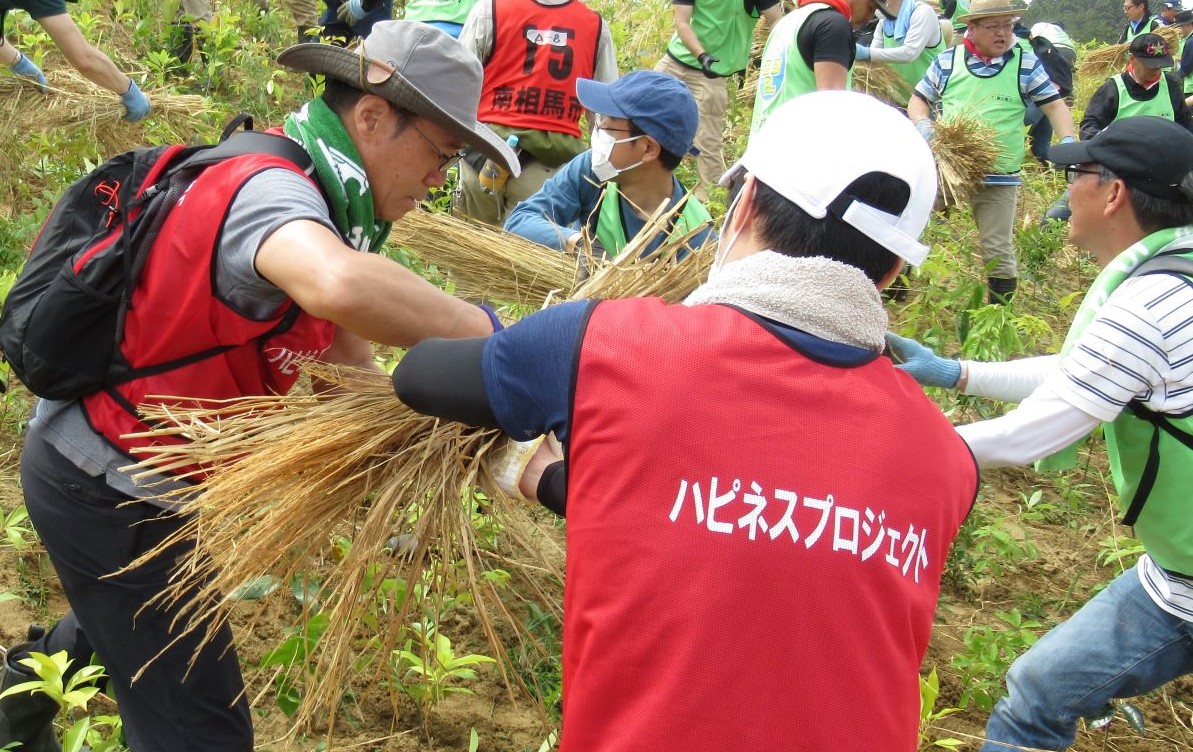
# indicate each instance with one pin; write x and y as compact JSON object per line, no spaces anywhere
{"x":426,"y":676}
{"x":72,"y":696}
{"x":18,"y":532}
{"x":1121,"y":551}
{"x":929,"y":714}
{"x":988,"y":654}
{"x":294,"y":659}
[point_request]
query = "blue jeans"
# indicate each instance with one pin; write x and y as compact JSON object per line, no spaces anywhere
{"x":1119,"y":644}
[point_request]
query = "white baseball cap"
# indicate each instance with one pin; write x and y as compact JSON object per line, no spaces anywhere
{"x":812,"y":147}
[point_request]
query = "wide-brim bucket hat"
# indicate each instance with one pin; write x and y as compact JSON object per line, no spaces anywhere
{"x":420,"y":69}
{"x":990,"y":9}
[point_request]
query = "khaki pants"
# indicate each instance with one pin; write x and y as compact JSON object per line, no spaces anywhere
{"x":196,"y":10}
{"x":994,"y":213}
{"x":305,"y":12}
{"x":471,"y":200}
{"x":712,"y":100}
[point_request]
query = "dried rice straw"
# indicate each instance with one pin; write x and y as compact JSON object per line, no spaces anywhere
{"x":484,"y":262}
{"x":75,"y":104}
{"x":1104,"y":62}
{"x":965,"y":151}
{"x":289,"y":473}
{"x":882,"y":82}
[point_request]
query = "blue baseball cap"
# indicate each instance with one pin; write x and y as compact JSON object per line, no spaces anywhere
{"x":659,"y":104}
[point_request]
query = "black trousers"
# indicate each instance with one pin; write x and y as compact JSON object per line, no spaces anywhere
{"x":174,"y":706}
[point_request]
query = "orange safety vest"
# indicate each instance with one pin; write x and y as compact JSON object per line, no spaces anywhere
{"x":538,"y":53}
{"x":175,"y":314}
{"x":766,"y":559}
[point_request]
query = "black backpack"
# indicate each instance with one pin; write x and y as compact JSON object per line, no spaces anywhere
{"x":63,"y":320}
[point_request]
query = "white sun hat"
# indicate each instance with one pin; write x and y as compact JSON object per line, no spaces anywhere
{"x":812,"y":147}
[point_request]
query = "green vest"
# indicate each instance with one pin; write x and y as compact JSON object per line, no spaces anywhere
{"x":610,"y":230}
{"x":1164,"y":523}
{"x":1146,"y":27}
{"x":1159,"y":105}
{"x":783,"y":74}
{"x":993,"y":100}
{"x":448,"y":11}
{"x":960,"y":9}
{"x":725,"y":29}
{"x":1180,"y":55}
{"x":913,"y":72}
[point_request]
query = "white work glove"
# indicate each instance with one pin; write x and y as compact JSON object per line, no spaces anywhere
{"x":507,"y":464}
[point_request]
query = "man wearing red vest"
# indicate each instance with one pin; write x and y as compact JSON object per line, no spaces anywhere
{"x":533,"y":51}
{"x":759,"y":505}
{"x":262,"y":264}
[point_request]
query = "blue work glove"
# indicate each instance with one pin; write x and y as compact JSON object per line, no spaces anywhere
{"x":863,"y":53}
{"x":706,"y":63}
{"x":922,"y":364}
{"x":136,"y":104}
{"x":351,"y":12}
{"x":25,"y":68}
{"x":926,"y":128}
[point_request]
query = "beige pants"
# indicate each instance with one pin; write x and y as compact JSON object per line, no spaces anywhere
{"x":994,"y":213}
{"x":305,"y":12}
{"x":712,"y":100}
{"x":196,"y":10}
{"x":471,"y":200}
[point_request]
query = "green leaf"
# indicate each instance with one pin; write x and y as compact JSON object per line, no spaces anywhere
{"x":37,"y":685}
{"x":1103,"y":719}
{"x":1134,"y":717}
{"x":474,"y":741}
{"x":76,"y":735}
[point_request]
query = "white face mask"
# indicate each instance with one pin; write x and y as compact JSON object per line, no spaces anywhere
{"x":725,"y":241}
{"x":602,"y":150}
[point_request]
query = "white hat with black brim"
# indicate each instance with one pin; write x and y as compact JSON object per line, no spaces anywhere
{"x":420,"y":69}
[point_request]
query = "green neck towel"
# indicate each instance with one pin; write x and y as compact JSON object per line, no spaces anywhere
{"x":338,"y":169}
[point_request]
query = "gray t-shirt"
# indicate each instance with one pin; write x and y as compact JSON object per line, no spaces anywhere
{"x":267,"y":201}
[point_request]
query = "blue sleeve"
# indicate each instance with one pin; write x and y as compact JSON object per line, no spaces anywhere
{"x":1187,"y":61}
{"x":556,"y":211}
{"x":528,"y":369}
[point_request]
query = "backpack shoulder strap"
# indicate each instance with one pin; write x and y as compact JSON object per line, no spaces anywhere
{"x":250,"y":142}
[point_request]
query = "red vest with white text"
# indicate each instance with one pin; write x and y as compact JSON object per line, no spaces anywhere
{"x":175,"y":313}
{"x":754,"y":539}
{"x":538,"y":53}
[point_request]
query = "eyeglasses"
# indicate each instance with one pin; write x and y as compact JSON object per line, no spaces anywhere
{"x":446,"y":161}
{"x":1072,"y":171}
{"x":1007,"y":26}
{"x":601,"y":124}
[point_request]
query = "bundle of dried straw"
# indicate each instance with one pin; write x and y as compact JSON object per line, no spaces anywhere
{"x":484,"y":262}
{"x":1100,"y":64}
{"x":289,"y":473}
{"x":74,"y":104}
{"x":882,"y":82}
{"x":965,"y":151}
